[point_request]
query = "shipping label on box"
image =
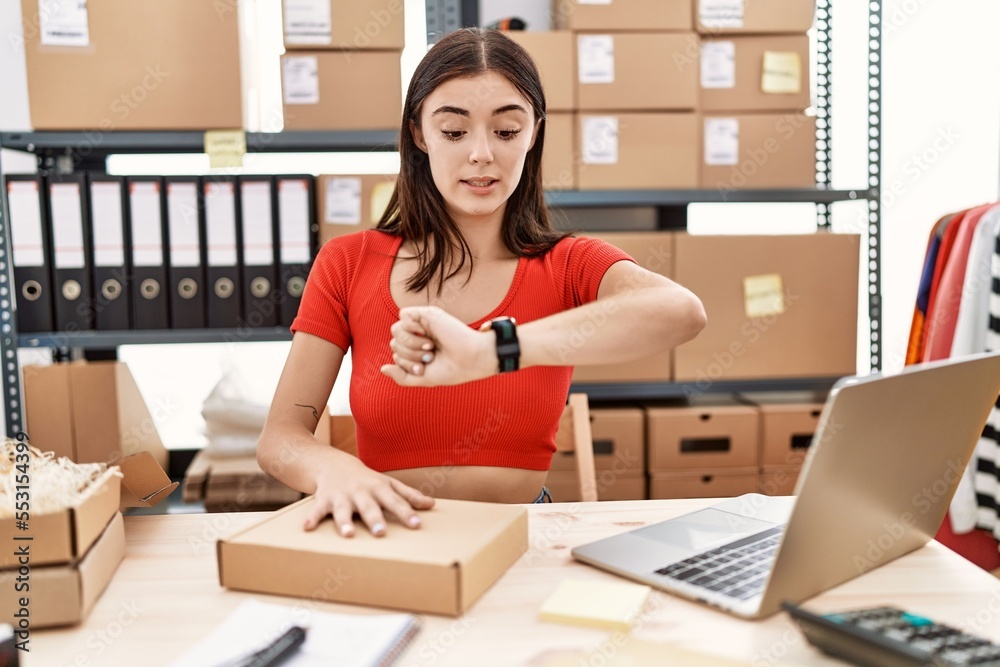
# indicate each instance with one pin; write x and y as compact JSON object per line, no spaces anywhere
{"x":759,"y":150}
{"x":351,"y":203}
{"x":714,"y":17}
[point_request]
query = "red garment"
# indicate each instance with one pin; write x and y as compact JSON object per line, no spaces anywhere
{"x":507,"y":420}
{"x":947,"y":241}
{"x":943,"y":314}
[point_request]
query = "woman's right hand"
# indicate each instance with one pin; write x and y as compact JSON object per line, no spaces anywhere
{"x":351,"y":487}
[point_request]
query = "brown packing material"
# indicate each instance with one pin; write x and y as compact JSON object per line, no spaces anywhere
{"x":756,"y":16}
{"x":64,"y":594}
{"x":63,"y":537}
{"x":146,"y":68}
{"x":778,"y":306}
{"x":619,"y":441}
{"x":778,"y":480}
{"x":340,"y":209}
{"x":744,"y":87}
{"x":646,"y":72}
{"x":565,"y":486}
{"x":351,"y":90}
{"x":708,"y":483}
{"x":786,"y":432}
{"x":354,"y":24}
{"x":554,"y":53}
{"x":638,"y":151}
{"x":701,"y":437}
{"x":653,"y":251}
{"x":559,"y":155}
{"x":767,"y":151}
{"x":630,"y":15}
{"x":441,"y":568}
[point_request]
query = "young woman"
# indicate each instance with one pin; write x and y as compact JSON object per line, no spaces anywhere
{"x":451,"y":399}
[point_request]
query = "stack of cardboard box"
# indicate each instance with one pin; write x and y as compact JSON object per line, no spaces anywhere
{"x":341,"y":67}
{"x":234,"y":484}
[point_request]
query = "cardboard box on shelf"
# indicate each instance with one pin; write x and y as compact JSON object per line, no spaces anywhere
{"x":234,"y":484}
{"x":554,"y":53}
{"x":443,"y":568}
{"x":640,"y":71}
{"x":89,"y":412}
{"x":139,"y":65}
{"x":344,"y":24}
{"x":632,"y":15}
{"x":565,"y":486}
{"x":559,"y":155}
{"x":708,"y":483}
{"x":638,"y":151}
{"x":619,"y":442}
{"x":758,"y":151}
{"x":759,"y":16}
{"x":755,"y":73}
{"x":351,"y":203}
{"x":786,"y":432}
{"x":653,"y":251}
{"x":701,"y":436}
{"x":63,"y":595}
{"x":341,"y":90}
{"x":778,"y":480}
{"x":778,"y":306}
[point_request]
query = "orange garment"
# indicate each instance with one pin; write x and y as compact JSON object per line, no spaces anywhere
{"x":507,"y":420}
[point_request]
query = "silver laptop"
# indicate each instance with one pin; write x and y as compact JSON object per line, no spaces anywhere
{"x":883,"y":465}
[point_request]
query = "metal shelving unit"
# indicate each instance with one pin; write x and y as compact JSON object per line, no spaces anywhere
{"x":68,"y":151}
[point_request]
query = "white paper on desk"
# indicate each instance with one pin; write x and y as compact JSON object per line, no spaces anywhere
{"x":344,"y":640}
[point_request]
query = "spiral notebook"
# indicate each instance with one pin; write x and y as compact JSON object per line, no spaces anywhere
{"x":345,"y":640}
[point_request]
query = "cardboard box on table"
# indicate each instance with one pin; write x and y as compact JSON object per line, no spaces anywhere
{"x":137,"y":65}
{"x":347,"y":203}
{"x":759,"y":73}
{"x":758,"y":150}
{"x":344,"y":24}
{"x":442,"y":568}
{"x":753,"y":16}
{"x":778,"y":306}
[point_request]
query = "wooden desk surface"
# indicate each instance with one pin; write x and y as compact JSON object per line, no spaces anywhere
{"x":166,"y":595}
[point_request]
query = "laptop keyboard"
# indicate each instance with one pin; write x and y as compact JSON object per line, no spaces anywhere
{"x":738,"y":569}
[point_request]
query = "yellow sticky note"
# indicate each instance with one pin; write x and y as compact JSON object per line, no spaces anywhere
{"x":381,"y":194}
{"x":763,"y":295}
{"x":225,"y":148}
{"x":782,"y":72}
{"x":601,"y":604}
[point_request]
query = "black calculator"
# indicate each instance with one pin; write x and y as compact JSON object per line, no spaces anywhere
{"x":890,"y":637}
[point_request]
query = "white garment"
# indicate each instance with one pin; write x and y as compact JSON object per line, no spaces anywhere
{"x":970,"y":338}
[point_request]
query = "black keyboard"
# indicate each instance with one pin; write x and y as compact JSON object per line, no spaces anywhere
{"x":890,"y":636}
{"x":738,"y":569}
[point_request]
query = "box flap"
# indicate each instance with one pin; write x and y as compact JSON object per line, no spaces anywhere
{"x":144,"y":483}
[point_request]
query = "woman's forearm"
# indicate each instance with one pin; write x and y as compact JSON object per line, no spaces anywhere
{"x":291,"y":454}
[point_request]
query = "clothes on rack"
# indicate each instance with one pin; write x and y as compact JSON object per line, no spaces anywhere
{"x":959,"y":293}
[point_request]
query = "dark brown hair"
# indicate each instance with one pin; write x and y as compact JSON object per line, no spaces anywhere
{"x":416,"y":209}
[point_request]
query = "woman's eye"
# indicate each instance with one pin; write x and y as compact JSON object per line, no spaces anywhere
{"x":452,"y":135}
{"x":507,"y":135}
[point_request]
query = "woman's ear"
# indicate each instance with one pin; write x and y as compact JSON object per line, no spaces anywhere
{"x":418,"y":136}
{"x":534,"y":134}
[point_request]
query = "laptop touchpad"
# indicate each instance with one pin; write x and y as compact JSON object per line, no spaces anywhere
{"x":704,"y":529}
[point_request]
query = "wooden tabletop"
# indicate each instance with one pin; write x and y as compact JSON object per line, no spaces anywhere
{"x":165,"y":596}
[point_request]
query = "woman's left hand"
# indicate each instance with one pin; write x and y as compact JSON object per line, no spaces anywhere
{"x":432,"y":348}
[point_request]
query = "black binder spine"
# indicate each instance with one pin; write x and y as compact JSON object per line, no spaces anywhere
{"x":31,"y":250}
{"x":222,"y":268}
{"x":109,"y":244}
{"x":72,"y":256}
{"x":296,"y":229}
{"x":185,"y":255}
{"x":150,"y":303}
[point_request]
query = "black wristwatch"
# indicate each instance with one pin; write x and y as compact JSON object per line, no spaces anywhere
{"x":508,"y":349}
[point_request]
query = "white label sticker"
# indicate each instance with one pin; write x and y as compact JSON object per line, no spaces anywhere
{"x":721,"y":13}
{"x":301,"y":80}
{"x":718,"y":65}
{"x":594,"y":2}
{"x":722,"y":142}
{"x":63,"y":23}
{"x":293,"y":218}
{"x":343,"y":201}
{"x":220,"y":224}
{"x":67,"y":225}
{"x":182,"y":220}
{"x":596,"y":58}
{"x":600,"y":140}
{"x":106,"y":223}
{"x":25,"y":223}
{"x":258,"y":234}
{"x":147,"y":224}
{"x":307,"y":22}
